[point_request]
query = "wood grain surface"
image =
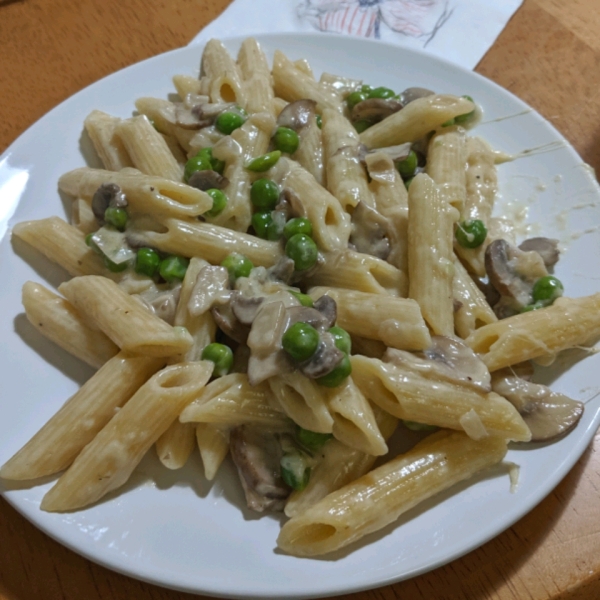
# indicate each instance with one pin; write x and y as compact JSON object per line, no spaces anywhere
{"x":549,"y":55}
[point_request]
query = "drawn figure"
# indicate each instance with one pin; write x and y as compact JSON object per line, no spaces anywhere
{"x":415,"y":18}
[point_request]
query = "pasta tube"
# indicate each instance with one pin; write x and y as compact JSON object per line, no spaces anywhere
{"x":415,"y":120}
{"x":567,"y":323}
{"x":409,"y":395}
{"x":107,"y":462}
{"x":381,"y":496}
{"x":56,"y":319}
{"x":55,"y":446}
{"x":124,"y":319}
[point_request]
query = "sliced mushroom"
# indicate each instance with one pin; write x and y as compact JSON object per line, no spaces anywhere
{"x":163,"y":303}
{"x":306,"y":314}
{"x":211,"y":287}
{"x":108,"y":194}
{"x":548,"y":414}
{"x":327,"y":306}
{"x":257,"y":455}
{"x":547,"y":248}
{"x":447,"y":359}
{"x":208,"y":180}
{"x":326,"y":358}
{"x":396,"y":153}
{"x":187,"y":118}
{"x":297,"y":114}
{"x":375,"y":109}
{"x":245,"y":307}
{"x":228,"y":324}
{"x":503,"y":277}
{"x":282,"y":270}
{"x":414,"y":93}
{"x":204,"y":111}
{"x":370,"y":231}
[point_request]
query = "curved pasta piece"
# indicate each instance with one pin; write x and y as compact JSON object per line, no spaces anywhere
{"x":408,"y":395}
{"x":415,"y":120}
{"x":107,"y":462}
{"x":125,"y":320}
{"x":397,"y":322}
{"x":361,"y":272}
{"x":381,"y":496}
{"x":231,"y":400}
{"x":567,"y":323}
{"x":303,"y":401}
{"x":146,"y":194}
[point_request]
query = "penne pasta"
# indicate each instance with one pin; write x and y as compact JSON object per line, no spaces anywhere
{"x":107,"y":462}
{"x":124,"y":320}
{"x":381,"y":496}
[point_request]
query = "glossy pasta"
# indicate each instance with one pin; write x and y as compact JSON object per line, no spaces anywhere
{"x":178,"y":244}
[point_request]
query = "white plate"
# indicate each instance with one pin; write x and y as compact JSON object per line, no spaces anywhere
{"x":175,"y":530}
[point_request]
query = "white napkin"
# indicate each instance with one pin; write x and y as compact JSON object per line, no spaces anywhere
{"x":458,"y":30}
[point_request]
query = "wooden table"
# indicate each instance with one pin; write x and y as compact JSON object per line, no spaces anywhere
{"x":549,"y":55}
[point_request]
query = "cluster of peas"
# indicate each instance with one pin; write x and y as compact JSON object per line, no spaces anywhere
{"x":301,"y":341}
{"x":299,"y":246}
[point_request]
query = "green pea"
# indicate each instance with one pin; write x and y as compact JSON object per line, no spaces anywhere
{"x":354,"y":98}
{"x":89,"y":241}
{"x":264,"y":194}
{"x":362,"y":125}
{"x":319,"y":121}
{"x":381,"y":92}
{"x":196,"y":163}
{"x":229,"y":121}
{"x":216,"y":164}
{"x":147,"y":262}
{"x":338,"y":375}
{"x":294,"y":471}
{"x":117,"y":217}
{"x":414,"y":426}
{"x":407,"y":182}
{"x":298,"y":225}
{"x":462,"y":119}
{"x":219,"y":202}
{"x":173,"y":268}
{"x":260,"y":223}
{"x":449,"y":123}
{"x":221,"y":355}
{"x":237,"y":265}
{"x":302,"y":250}
{"x":300,"y":341}
{"x":113,"y":266}
{"x":263,"y":163}
{"x":366,"y":89}
{"x":408,"y":166}
{"x":547,"y":289}
{"x":286,"y":140}
{"x":304,"y":299}
{"x":341,"y":339}
{"x":471,"y":234}
{"x":312,"y":440}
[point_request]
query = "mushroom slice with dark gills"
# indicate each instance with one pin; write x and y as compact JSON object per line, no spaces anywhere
{"x":162,"y":302}
{"x":548,"y":414}
{"x":414,"y":93}
{"x":257,"y":455}
{"x":512,"y":273}
{"x":325,"y":359}
{"x":108,"y":194}
{"x":370,"y":232}
{"x":374,"y":109}
{"x":297,"y":115}
{"x":227,"y":322}
{"x":448,"y":358}
{"x":245,"y":308}
{"x":547,"y":248}
{"x":198,"y":116}
{"x":208,"y":180}
{"x":327,"y":306}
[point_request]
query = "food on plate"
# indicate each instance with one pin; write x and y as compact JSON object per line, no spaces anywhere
{"x":293,"y":270}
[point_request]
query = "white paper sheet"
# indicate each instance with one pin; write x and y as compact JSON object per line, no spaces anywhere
{"x":458,"y":30}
